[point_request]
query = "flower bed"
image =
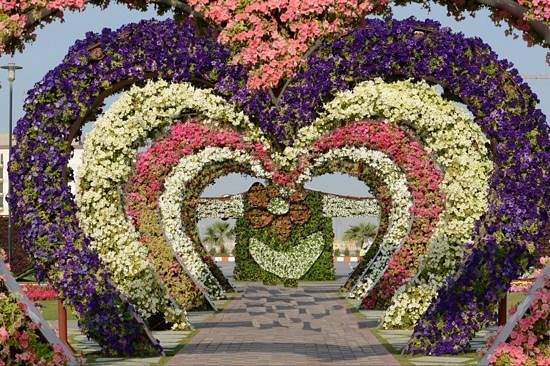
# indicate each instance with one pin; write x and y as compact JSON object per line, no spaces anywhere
{"x":20,"y":340}
{"x":529,"y":342}
{"x":36,"y":292}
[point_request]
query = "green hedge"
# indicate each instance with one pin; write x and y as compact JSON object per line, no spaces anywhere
{"x":246,"y":269}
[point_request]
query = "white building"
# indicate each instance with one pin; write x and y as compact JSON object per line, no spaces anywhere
{"x":74,"y":163}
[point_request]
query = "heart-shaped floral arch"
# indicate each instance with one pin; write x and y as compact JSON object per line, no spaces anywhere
{"x":146,"y":183}
{"x":467,"y":70}
{"x":443,"y":121}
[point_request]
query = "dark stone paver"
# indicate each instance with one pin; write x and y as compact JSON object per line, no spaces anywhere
{"x":307,"y":326}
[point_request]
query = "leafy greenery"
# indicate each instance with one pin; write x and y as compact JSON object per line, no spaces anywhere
{"x":217,"y":233}
{"x":48,"y":308}
{"x":360,"y":233}
{"x":246,"y":269}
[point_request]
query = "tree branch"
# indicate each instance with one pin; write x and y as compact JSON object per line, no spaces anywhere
{"x":34,"y":18}
{"x":517,"y":11}
{"x":277,"y":99}
{"x":539,"y":28}
{"x":180,"y":5}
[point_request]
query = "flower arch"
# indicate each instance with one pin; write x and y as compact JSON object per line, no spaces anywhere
{"x":107,"y":159}
{"x":422,"y":175}
{"x":466,"y":183}
{"x":467,"y":70}
{"x":463,"y":158}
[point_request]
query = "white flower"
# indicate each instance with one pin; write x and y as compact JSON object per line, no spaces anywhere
{"x":336,"y":206}
{"x":109,"y":150}
{"x":171,"y":202}
{"x":232,"y":207}
{"x":400,"y":218}
{"x":293,"y":263}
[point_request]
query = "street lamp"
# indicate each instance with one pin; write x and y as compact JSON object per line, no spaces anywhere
{"x":11,"y":67}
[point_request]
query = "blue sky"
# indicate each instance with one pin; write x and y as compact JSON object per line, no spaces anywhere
{"x":54,"y":40}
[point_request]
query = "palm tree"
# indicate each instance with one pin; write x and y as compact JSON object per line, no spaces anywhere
{"x":217,"y":233}
{"x":360,"y":233}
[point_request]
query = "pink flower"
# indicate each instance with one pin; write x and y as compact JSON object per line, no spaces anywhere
{"x":4,"y":335}
{"x":23,"y":339}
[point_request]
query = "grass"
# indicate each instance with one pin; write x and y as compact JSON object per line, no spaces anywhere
{"x":222,"y":304}
{"x":402,"y":359}
{"x":171,"y":353}
{"x":92,"y":357}
{"x":405,"y":359}
{"x":351,"y":305}
{"x":49,"y":310}
{"x":514,"y":298}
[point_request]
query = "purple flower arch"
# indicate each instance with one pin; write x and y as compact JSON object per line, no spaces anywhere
{"x":466,"y":68}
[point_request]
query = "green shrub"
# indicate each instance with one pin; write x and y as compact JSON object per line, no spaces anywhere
{"x":246,"y":269}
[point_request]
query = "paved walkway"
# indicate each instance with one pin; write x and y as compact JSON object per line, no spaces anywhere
{"x":277,"y":326}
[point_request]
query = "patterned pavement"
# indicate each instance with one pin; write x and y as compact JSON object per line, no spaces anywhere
{"x":308,"y":325}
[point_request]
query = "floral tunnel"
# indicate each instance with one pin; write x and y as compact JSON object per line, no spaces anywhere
{"x":145,"y":184}
{"x":153,"y":179}
{"x":336,"y":72}
{"x":144,"y":187}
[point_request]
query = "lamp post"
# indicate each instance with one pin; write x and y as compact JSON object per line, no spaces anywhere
{"x":11,"y":67}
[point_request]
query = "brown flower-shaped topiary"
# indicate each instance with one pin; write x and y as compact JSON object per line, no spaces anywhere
{"x":271,"y":207}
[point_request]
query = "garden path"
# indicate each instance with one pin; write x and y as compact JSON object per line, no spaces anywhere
{"x":308,"y":325}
